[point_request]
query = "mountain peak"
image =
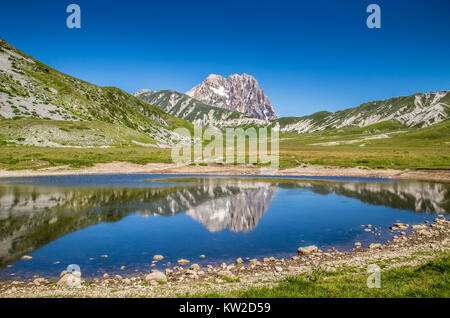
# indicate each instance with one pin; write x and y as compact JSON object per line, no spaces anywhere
{"x":142,"y":91}
{"x":240,"y":93}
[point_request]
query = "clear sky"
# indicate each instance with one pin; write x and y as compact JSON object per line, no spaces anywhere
{"x":307,"y":55}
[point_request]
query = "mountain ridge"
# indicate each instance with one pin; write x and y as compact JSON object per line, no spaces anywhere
{"x":417,"y":110}
{"x":193,"y":110}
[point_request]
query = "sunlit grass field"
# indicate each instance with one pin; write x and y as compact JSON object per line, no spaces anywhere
{"x":384,"y":145}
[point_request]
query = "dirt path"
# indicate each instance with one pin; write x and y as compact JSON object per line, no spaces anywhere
{"x":163,"y":168}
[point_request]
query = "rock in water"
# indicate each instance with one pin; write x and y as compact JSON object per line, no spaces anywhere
{"x":158,"y":257}
{"x":237,"y":92}
{"x":307,"y":250}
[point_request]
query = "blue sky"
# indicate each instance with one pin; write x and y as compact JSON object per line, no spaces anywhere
{"x":307,"y":55}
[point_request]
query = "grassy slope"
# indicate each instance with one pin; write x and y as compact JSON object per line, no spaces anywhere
{"x":429,"y":280}
{"x":79,"y":134}
{"x":81,"y":99}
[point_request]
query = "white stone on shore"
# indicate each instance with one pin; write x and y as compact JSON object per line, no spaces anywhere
{"x":72,"y":280}
{"x":307,"y":250}
{"x":156,"y":276}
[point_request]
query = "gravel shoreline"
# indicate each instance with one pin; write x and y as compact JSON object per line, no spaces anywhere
{"x":428,"y":240}
{"x":214,"y":169}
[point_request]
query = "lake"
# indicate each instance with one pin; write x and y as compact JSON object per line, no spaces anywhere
{"x":63,"y":220}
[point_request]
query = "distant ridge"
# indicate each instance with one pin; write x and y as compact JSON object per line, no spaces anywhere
{"x":418,"y":110}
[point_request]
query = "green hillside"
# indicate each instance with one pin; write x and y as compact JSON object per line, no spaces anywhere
{"x":31,"y":89}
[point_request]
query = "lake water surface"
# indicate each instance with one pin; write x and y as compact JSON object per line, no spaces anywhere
{"x":63,"y":220}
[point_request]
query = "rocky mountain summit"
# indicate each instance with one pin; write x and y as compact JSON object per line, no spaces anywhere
{"x":237,"y":93}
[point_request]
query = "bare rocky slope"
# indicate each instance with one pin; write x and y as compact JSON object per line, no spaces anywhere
{"x":190,"y":109}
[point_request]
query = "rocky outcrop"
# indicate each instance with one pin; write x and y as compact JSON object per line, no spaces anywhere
{"x":237,"y":93}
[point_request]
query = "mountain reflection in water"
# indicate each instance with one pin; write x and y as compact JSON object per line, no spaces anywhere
{"x":32,"y":216}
